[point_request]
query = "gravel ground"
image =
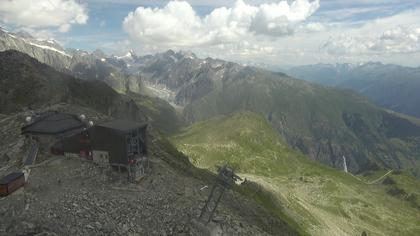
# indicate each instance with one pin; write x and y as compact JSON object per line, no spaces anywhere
{"x":73,"y":197}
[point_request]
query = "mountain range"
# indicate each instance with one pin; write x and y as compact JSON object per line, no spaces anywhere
{"x":267,"y":125}
{"x":323,"y":123}
{"x":391,"y":86}
{"x":78,"y":63}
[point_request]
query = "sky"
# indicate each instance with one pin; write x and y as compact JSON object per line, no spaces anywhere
{"x":258,"y":32}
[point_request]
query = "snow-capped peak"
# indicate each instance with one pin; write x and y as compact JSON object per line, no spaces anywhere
{"x":188,"y":54}
{"x":130,"y":55}
{"x":48,"y":44}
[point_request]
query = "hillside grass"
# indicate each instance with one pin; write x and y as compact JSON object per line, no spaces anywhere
{"x":321,"y":200}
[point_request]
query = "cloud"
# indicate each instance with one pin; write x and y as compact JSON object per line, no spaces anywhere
{"x":178,"y":25}
{"x":279,"y":19}
{"x":397,"y":34}
{"x":60,"y":14}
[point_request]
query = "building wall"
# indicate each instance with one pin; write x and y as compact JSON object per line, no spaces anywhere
{"x":109,"y":140}
{"x":45,"y":142}
{"x":74,"y":144}
{"x":115,"y":142}
{"x":100,"y":157}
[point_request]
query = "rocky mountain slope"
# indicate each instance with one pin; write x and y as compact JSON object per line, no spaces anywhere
{"x":66,"y":196}
{"x":391,"y":86}
{"x":28,"y":84}
{"x":79,"y":63}
{"x":321,"y":199}
{"x":180,"y":77}
{"x":324,"y":123}
{"x":48,"y":51}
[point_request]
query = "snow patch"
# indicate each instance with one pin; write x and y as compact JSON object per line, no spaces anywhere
{"x":129,"y":55}
{"x":48,"y":48}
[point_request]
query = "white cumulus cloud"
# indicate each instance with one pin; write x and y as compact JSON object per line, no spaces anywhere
{"x":60,"y":14}
{"x":396,"y":40}
{"x":178,"y":25}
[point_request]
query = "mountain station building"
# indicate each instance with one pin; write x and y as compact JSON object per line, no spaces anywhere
{"x":121,"y":144}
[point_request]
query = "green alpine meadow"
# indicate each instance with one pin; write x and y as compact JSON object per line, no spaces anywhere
{"x":319,"y":199}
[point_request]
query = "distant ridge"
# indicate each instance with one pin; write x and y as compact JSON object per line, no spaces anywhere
{"x":391,"y":86}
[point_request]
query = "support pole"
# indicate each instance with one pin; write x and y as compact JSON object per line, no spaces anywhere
{"x":225,"y":179}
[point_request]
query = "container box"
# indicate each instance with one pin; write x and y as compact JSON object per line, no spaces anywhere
{"x":11,"y":183}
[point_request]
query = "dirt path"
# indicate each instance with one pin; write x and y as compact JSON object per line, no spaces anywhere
{"x":380,"y":178}
{"x":373,"y":181}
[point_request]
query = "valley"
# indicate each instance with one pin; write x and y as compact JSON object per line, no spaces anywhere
{"x":322,"y":200}
{"x":390,"y":86}
{"x":321,"y":122}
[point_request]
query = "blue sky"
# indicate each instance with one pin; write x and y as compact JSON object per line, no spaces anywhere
{"x":113,"y":12}
{"x":250,"y":31}
{"x":105,"y":23}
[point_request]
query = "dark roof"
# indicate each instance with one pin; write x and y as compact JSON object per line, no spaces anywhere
{"x":10,"y":177}
{"x":122,"y":125}
{"x":53,"y":123}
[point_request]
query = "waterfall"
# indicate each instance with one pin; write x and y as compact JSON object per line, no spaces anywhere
{"x":345,"y":164}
